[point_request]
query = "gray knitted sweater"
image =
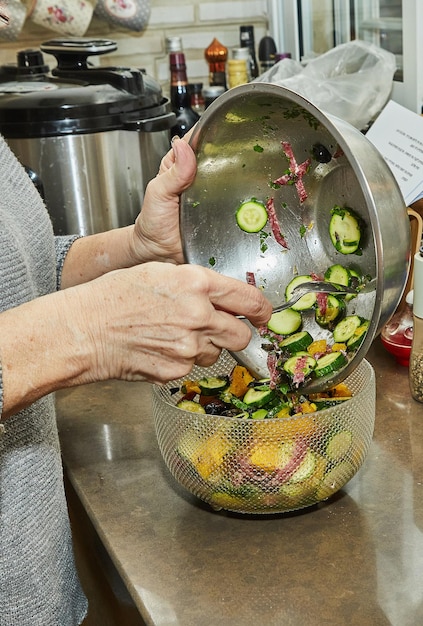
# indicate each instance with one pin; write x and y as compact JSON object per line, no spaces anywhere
{"x":38,"y":582}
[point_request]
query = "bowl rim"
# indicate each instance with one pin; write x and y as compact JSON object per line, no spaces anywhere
{"x":369,"y":381}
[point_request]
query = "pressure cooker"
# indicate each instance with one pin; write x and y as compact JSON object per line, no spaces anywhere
{"x":90,"y":137}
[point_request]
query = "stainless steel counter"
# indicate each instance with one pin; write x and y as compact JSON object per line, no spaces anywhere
{"x":356,"y":559}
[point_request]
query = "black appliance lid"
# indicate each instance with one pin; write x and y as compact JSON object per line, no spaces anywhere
{"x":74,"y":98}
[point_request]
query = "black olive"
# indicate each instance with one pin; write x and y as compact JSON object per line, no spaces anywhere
{"x":215,"y":407}
{"x":321,"y":153}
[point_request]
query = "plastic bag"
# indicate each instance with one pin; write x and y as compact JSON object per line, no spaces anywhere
{"x":352,"y":81}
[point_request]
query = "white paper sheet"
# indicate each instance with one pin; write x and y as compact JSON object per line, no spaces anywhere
{"x":398,"y":135}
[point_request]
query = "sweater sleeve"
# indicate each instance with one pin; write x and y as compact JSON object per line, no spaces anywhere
{"x":62,"y":243}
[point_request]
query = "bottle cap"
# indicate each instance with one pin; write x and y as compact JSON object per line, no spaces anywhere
{"x":240,"y":53}
{"x":282,"y":55}
{"x":267,"y":49}
{"x":418,"y":284}
{"x":173,"y":44}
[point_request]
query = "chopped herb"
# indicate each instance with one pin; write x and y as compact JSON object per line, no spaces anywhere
{"x":263,"y":244}
{"x":303,"y":230}
{"x":258,"y":148}
{"x":212,"y":261}
{"x":194,"y":204}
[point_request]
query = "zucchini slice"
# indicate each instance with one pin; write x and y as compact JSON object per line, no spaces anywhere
{"x":212,"y":385}
{"x":296,"y":342}
{"x":251,"y":216}
{"x":338,"y":274}
{"x":346,"y":328}
{"x":333,"y":311}
{"x":339,"y":445}
{"x":191,"y":406}
{"x":355,"y":341}
{"x":257,"y":397}
{"x":301,"y":364}
{"x":344,"y":230}
{"x":285,"y":322}
{"x":326,"y":403}
{"x":306,"y":302}
{"x":330,"y":363}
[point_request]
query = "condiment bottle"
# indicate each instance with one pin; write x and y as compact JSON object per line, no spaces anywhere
{"x":171,"y":44}
{"x":216,"y":55}
{"x":180,"y":97}
{"x":416,"y":356}
{"x":246,"y":35}
{"x":197,"y":98}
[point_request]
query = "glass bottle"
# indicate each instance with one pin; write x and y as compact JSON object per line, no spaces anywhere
{"x":216,"y":55}
{"x":180,"y":97}
{"x":416,"y":356}
{"x":171,"y":44}
{"x":246,"y":36}
{"x":197,"y":98}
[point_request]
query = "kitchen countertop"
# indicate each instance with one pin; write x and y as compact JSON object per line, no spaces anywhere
{"x":356,"y":559}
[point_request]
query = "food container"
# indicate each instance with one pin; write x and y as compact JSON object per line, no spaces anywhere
{"x":270,"y":465}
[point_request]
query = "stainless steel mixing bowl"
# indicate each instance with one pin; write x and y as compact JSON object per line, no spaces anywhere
{"x":238,"y":146}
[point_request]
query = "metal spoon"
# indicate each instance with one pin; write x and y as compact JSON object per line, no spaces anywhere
{"x":314,"y":286}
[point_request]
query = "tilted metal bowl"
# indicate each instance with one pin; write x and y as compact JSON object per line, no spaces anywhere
{"x":238,"y":146}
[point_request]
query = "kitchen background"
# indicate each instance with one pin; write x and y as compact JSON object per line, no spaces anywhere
{"x":197,"y":22}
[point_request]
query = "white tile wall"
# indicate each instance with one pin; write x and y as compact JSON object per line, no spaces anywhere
{"x":196,"y":21}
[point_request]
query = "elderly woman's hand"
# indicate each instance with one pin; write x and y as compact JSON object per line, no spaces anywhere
{"x":156,"y":234}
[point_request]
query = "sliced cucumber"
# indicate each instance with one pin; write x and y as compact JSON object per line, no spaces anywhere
{"x":259,"y":414}
{"x":326,"y":403}
{"x":251,"y":216}
{"x":306,"y":302}
{"x":339,"y":445}
{"x":258,"y":396}
{"x":301,"y":364}
{"x":346,"y":328}
{"x":355,"y":341}
{"x":344,"y":230}
{"x":333,"y":311}
{"x":338,"y":274}
{"x":285,"y":322}
{"x":335,"y":479}
{"x":212,"y":385}
{"x":297,"y":342}
{"x":330,"y":363}
{"x":191,"y":406}
{"x":305,"y":469}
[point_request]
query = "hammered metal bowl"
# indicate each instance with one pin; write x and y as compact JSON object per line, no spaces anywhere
{"x":270,"y":465}
{"x":238,"y":147}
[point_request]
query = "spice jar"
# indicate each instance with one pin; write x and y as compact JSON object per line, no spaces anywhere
{"x":416,"y":356}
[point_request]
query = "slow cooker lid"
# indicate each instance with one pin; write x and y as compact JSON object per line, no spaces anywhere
{"x":74,"y":97}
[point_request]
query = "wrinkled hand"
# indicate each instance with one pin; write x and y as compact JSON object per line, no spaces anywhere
{"x":154,"y":321}
{"x":156,"y":233}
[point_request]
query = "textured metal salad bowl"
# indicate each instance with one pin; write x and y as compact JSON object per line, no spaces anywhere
{"x":238,"y":144}
{"x":265,"y":465}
